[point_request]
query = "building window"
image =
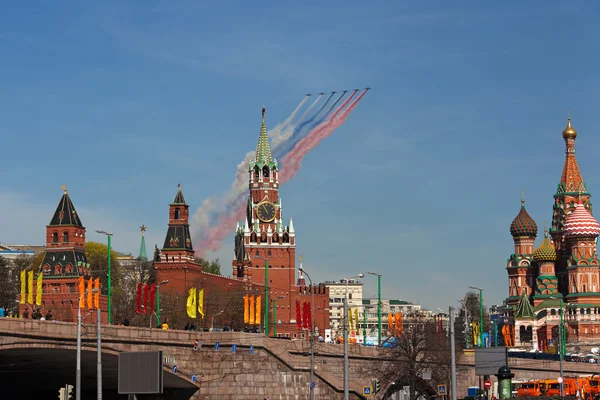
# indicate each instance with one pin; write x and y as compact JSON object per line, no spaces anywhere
{"x":269,"y":252}
{"x":55,"y":290}
{"x":65,"y":237}
{"x":71,"y":287}
{"x":265,"y":171}
{"x":176,"y":216}
{"x":256,"y":254}
{"x":55,"y":237}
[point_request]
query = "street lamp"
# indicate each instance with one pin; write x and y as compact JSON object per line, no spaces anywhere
{"x":378,"y":306}
{"x":212,"y":320}
{"x":158,"y":303}
{"x":464,"y":304}
{"x":109,"y":235}
{"x":561,"y":338}
{"x":275,"y":314}
{"x":78,"y":368}
{"x":312,"y":332}
{"x":480,"y":314}
{"x":346,"y":383}
{"x":266,"y":294}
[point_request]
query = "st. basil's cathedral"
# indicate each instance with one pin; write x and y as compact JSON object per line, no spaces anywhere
{"x":563,"y":271}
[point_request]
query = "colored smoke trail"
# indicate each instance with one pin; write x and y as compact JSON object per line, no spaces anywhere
{"x":291,"y":130}
{"x":326,"y":102}
{"x":293,"y":160}
{"x":219,"y":216}
{"x":335,"y":103}
{"x":276,"y":132}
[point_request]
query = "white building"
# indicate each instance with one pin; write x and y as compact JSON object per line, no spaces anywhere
{"x":12,"y":251}
{"x":337,"y":292}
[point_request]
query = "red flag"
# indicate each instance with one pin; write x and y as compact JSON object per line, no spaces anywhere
{"x":305,"y":315}
{"x":145,"y":298}
{"x":298,"y":315}
{"x":139,"y":298}
{"x":152,"y":296}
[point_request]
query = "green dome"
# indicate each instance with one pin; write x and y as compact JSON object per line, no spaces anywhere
{"x":546,"y":251}
{"x":523,"y":224}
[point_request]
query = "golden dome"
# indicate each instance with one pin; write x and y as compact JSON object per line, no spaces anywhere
{"x":569,"y":132}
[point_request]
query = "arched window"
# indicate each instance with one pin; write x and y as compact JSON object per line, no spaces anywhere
{"x":256,"y":172}
{"x":55,"y":237}
{"x":176,"y":214}
{"x":263,"y":237}
{"x":65,"y":237}
{"x":269,"y":252}
{"x":256,"y":254}
{"x":265,"y":171}
{"x":253,"y":237}
{"x":275,"y":237}
{"x":286,"y":238}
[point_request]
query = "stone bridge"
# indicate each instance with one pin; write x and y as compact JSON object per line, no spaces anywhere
{"x":39,"y":356}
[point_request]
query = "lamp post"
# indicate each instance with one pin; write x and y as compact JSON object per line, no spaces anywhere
{"x":78,"y":368}
{"x":346,"y":381}
{"x":109,"y":235}
{"x":212,"y":320}
{"x":266,"y":260}
{"x":480,"y":314}
{"x":275,"y":315}
{"x":312,"y":332}
{"x":561,"y":338}
{"x":163,"y":283}
{"x":378,"y":306}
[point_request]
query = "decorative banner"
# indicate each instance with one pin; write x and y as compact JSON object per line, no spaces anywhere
{"x":191,"y":303}
{"x":97,"y":294}
{"x":30,"y":288}
{"x":90,"y":299}
{"x":201,"y":302}
{"x":81,"y":292}
{"x":355,"y":317}
{"x":246,"y":311}
{"x":23,"y":286}
{"x":38,"y":293}
{"x":391,"y":322}
{"x":152,"y":297}
{"x":138,"y":308}
{"x":145,"y":310}
{"x":251,"y":310}
{"x":398,"y":323}
{"x":298,"y":315}
{"x":257,"y":314}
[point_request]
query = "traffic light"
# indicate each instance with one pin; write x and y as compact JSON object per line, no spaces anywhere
{"x":61,"y":394}
{"x":70,"y":394}
{"x":376,"y":385}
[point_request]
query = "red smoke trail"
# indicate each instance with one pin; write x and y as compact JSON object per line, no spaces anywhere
{"x":215,"y":235}
{"x":293,"y":160}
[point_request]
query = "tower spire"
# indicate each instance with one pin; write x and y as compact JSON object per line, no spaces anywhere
{"x":263,"y":149}
{"x":522,"y":196}
{"x":142,"y":256}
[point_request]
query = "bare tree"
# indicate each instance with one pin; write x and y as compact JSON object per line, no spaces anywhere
{"x":420,"y":347}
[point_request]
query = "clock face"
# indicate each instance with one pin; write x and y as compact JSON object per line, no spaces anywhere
{"x":266,"y":211}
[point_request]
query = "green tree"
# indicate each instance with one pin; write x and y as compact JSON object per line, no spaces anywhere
{"x":212,"y":267}
{"x":470,"y":305}
{"x":97,"y":257}
{"x":8,"y":285}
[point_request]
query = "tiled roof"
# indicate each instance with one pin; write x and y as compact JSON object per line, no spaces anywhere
{"x":580,"y":223}
{"x":179,"y":199}
{"x":178,"y":238}
{"x":263,"y":149}
{"x":523,"y":224}
{"x":65,"y":213}
{"x":546,"y":251}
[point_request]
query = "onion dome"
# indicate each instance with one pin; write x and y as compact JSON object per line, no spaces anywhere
{"x":523,"y":224}
{"x":569,"y":132}
{"x":546,"y":251}
{"x":580,"y":223}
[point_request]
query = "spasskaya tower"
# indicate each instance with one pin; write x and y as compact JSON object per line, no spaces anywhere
{"x":264,"y":236}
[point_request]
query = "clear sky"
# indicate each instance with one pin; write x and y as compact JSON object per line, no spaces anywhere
{"x":122,"y":100}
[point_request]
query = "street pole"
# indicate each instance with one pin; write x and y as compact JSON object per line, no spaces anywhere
{"x":158,"y":301}
{"x":378,"y":306}
{"x":561,"y":333}
{"x":346,"y":388}
{"x":480,"y":314}
{"x":109,"y":285}
{"x":274,"y":317}
{"x":267,"y":298}
{"x":453,"y":352}
{"x":99,"y":351}
{"x":312,"y":332}
{"x":78,"y":369}
{"x":364,"y":326}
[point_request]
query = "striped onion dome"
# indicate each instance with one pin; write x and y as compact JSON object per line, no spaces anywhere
{"x":580,"y":223}
{"x":546,"y":251}
{"x":523,"y":224}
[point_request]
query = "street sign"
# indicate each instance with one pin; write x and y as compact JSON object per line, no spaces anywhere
{"x":194,"y":378}
{"x":195,"y":344}
{"x":312,"y":385}
{"x":487,"y":384}
{"x":367,"y":391}
{"x":233,"y":348}
{"x":251,"y":349}
{"x":217,"y":346}
{"x":174,"y":369}
{"x":442,"y":390}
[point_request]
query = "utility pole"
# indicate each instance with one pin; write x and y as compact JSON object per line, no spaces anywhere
{"x":378,"y":306}
{"x":480,"y":314}
{"x":453,"y":352}
{"x":109,"y":277}
{"x":99,"y":351}
{"x":346,"y":321}
{"x":312,"y":331}
{"x":266,"y":297}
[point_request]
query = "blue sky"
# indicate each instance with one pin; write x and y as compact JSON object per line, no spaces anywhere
{"x":122,"y":100}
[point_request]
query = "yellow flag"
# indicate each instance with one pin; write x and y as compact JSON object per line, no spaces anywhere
{"x":38,"y":292}
{"x":30,"y":287}
{"x":191,"y":303}
{"x":201,"y":302}
{"x":251,"y":301}
{"x":81,"y":292}
{"x":355,"y":317}
{"x":97,"y":294}
{"x":23,"y":286}
{"x":90,"y":302}
{"x":246,"y":315}
{"x":257,"y":315}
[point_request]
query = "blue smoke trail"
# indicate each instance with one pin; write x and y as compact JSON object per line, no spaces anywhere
{"x":296,"y":136}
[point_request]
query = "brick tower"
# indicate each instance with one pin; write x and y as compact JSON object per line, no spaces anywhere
{"x":64,"y":262}
{"x":264,"y":234}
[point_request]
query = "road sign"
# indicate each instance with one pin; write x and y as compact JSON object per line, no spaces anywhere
{"x":487,"y":384}
{"x":196,"y":344}
{"x":217,"y":346}
{"x":251,"y":349}
{"x":312,"y":385}
{"x":174,"y":369}
{"x":442,"y":390}
{"x":367,"y":391}
{"x":233,"y":348}
{"x":194,"y":378}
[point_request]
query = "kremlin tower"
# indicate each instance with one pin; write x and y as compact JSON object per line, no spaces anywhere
{"x":564,"y":269}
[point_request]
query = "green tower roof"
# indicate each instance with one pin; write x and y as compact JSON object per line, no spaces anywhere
{"x":263,"y":149}
{"x":524,"y":308}
{"x":142,"y":255}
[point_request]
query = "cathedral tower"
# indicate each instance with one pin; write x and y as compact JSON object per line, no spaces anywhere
{"x":521,"y":272}
{"x":178,"y":242}
{"x":546,"y":284}
{"x":264,"y":236}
